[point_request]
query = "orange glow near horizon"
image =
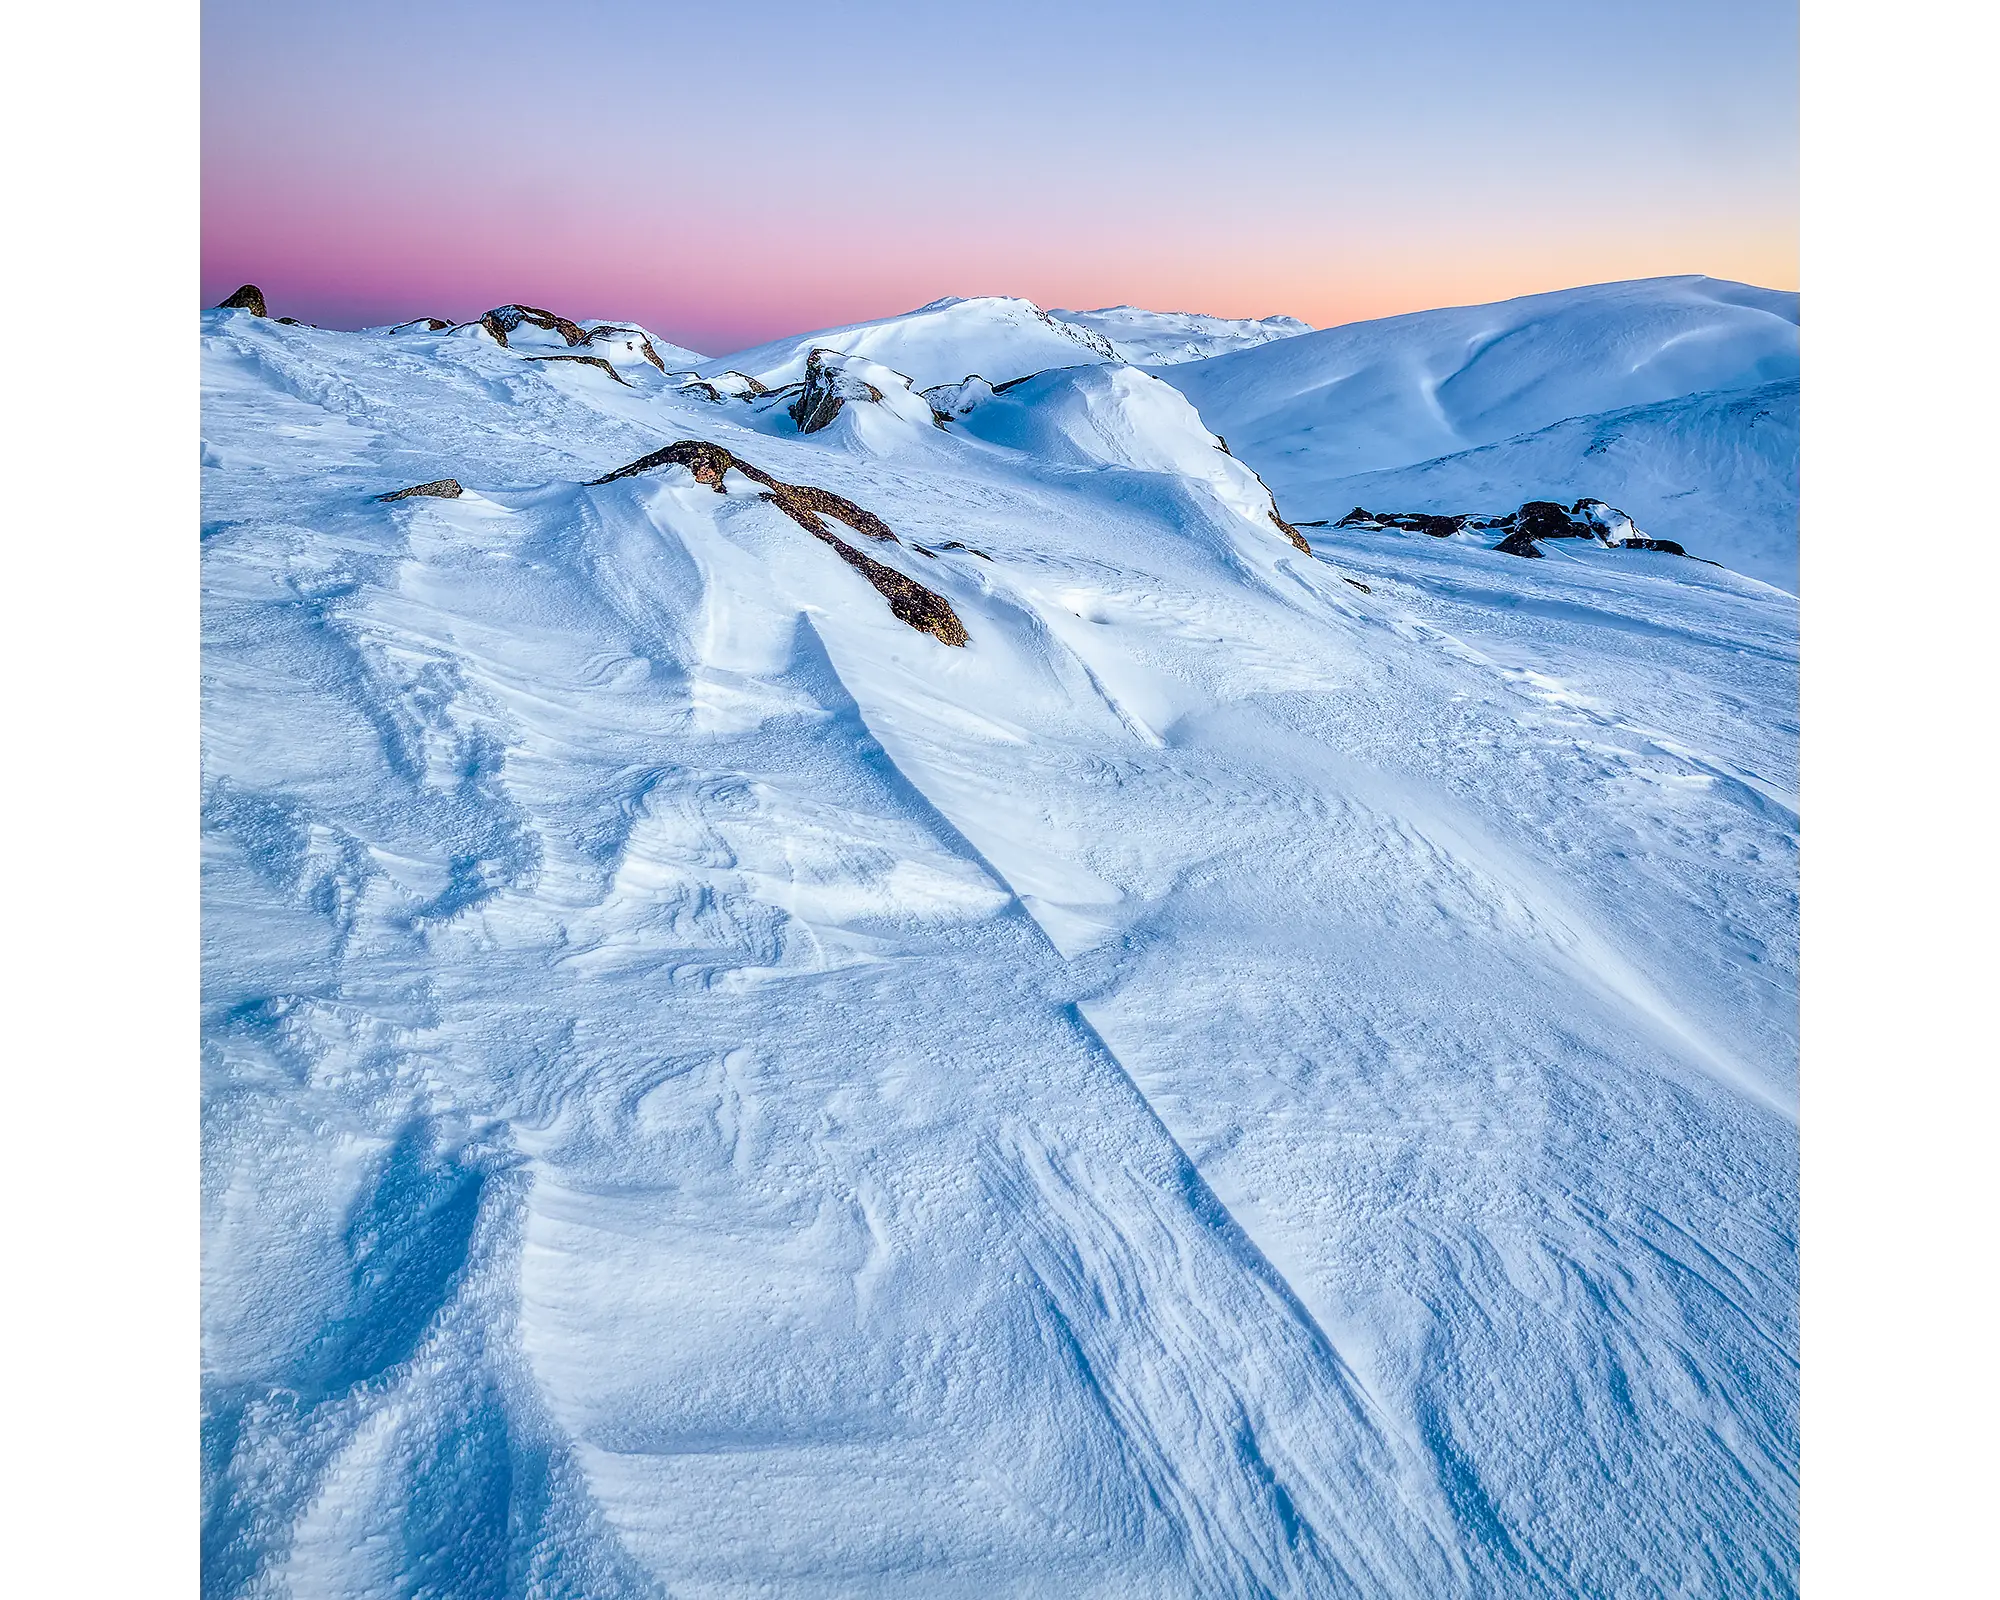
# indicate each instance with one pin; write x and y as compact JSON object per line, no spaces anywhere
{"x":741,"y":174}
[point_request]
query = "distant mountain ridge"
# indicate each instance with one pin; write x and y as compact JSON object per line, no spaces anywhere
{"x":1168,"y":338}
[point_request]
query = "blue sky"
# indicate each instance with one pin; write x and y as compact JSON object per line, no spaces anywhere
{"x":729,"y":172}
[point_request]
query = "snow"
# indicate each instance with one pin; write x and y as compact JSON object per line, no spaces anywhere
{"x":1261,"y":1073}
{"x":994,"y":337}
{"x":1675,"y":399}
{"x":1717,"y":472}
{"x":1166,"y":338}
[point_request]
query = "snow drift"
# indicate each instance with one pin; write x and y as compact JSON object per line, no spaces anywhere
{"x":1258,"y":1072}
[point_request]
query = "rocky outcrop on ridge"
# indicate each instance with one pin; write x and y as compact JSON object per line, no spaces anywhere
{"x":724,"y":386}
{"x":1298,"y":539}
{"x":436,"y":489}
{"x":808,"y":506}
{"x":827,"y":388}
{"x":249,"y":298}
{"x":589,"y":361}
{"x":1521,"y":529}
{"x":503,"y":320}
{"x":635,"y":338}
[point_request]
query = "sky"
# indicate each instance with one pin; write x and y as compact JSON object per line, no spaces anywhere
{"x":729,"y":172}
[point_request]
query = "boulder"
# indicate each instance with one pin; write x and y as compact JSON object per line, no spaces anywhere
{"x":249,"y":298}
{"x":436,"y":489}
{"x":828,"y":387}
{"x":503,"y":320}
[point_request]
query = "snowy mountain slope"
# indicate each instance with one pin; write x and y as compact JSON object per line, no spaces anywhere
{"x":993,"y":336}
{"x":1228,"y":1082}
{"x":1166,"y":338}
{"x":1717,"y":472}
{"x":1313,"y":411}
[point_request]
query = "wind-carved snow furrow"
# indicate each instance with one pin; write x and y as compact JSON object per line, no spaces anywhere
{"x":1205,"y":1202}
{"x":411,"y":1386}
{"x":1189,"y":1380}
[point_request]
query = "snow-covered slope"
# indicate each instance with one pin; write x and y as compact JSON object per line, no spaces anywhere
{"x":1315,"y":412}
{"x":1254,"y":1073}
{"x":1166,"y":338}
{"x":993,"y":336}
{"x":1717,"y":472}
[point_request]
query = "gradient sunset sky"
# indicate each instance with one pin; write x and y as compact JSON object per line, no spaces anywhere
{"x":725,"y":173}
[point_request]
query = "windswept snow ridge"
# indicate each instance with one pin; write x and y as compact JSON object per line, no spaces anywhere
{"x":1252,"y":1071}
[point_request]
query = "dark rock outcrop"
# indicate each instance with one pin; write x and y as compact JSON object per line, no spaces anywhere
{"x":1521,"y":530}
{"x":249,"y":298}
{"x":437,"y":489}
{"x":826,"y":390}
{"x":503,"y":320}
{"x":729,"y":386}
{"x":428,"y":324}
{"x":609,"y":332}
{"x":1290,"y":532}
{"x":910,"y":601}
{"x":1437,"y":527}
{"x":589,"y":361}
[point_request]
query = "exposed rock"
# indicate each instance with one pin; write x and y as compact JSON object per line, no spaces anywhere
{"x":806,"y":505}
{"x":437,"y":489}
{"x":1535,"y":520}
{"x":827,"y":389}
{"x":1290,"y":532}
{"x":428,"y":324}
{"x":1519,"y":543}
{"x":1587,"y":519}
{"x":725,"y":386}
{"x":589,"y":361}
{"x":1298,"y":539}
{"x":1409,"y":521}
{"x":249,"y":298}
{"x":503,"y":320}
{"x":1356,"y":583}
{"x":607,"y":332}
{"x":1615,"y":527}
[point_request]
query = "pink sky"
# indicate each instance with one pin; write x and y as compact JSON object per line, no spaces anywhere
{"x":743,"y":174}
